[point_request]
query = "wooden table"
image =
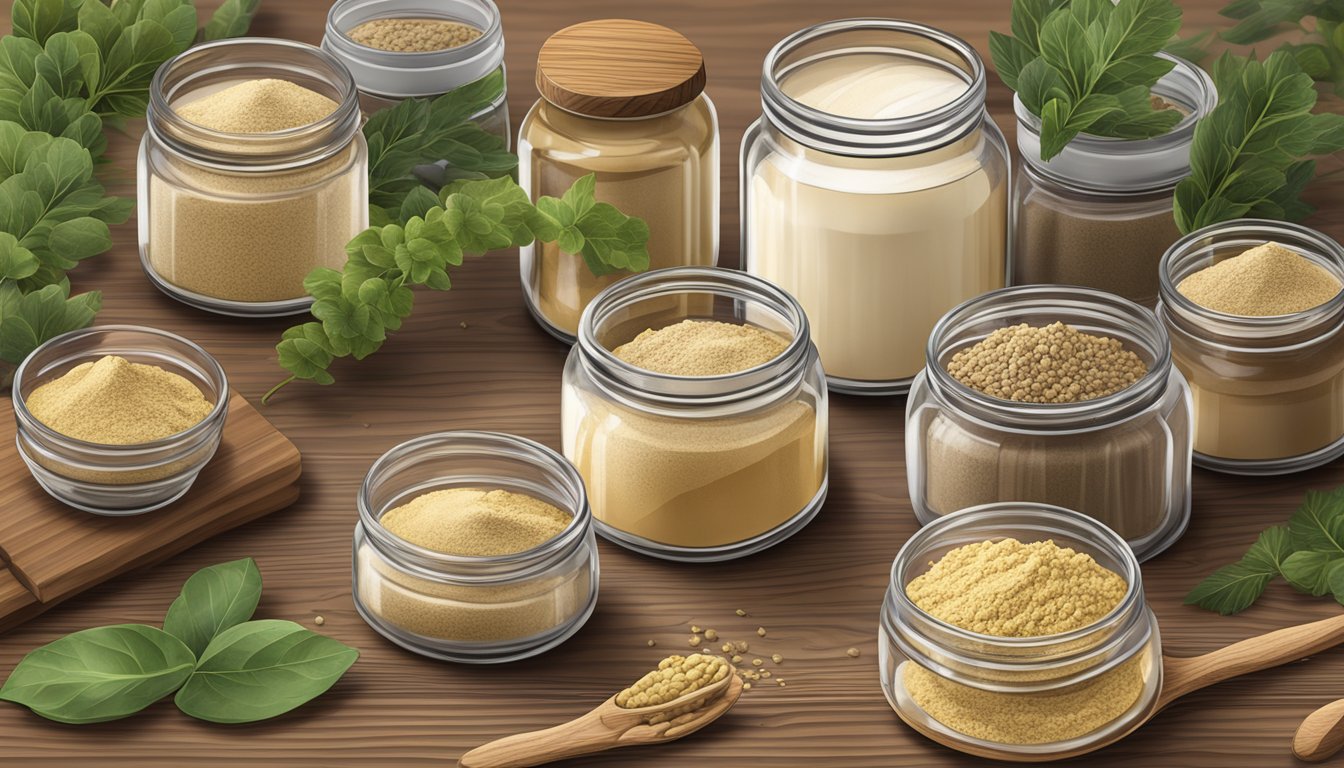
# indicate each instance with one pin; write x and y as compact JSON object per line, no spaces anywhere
{"x":818,"y":594}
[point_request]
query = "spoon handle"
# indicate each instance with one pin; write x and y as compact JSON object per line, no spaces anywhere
{"x":582,"y":736}
{"x":1322,"y":734}
{"x":1281,"y":646}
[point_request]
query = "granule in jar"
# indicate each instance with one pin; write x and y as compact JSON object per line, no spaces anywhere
{"x":675,"y":677}
{"x":1051,"y":364}
{"x":1264,"y":281}
{"x":402,"y":35}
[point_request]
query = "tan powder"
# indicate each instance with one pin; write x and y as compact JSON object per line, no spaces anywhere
{"x":1051,"y":364}
{"x":476,"y":523}
{"x":258,"y":106}
{"x":675,"y":677}
{"x":1264,"y":281}
{"x":413,"y":35}
{"x":702,"y":348}
{"x":116,"y":402}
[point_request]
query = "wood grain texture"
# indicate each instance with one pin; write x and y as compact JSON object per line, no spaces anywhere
{"x":817,"y":594}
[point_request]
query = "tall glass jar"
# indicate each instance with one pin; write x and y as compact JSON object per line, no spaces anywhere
{"x":875,"y":190}
{"x":233,"y":222}
{"x":474,"y":609}
{"x":1268,"y":391}
{"x":995,"y":696}
{"x":1122,"y":459}
{"x":623,"y":100}
{"x":696,"y":468}
{"x":385,"y":77}
{"x":1099,"y":213}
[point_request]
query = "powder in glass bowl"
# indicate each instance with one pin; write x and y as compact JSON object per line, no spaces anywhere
{"x":1056,"y":363}
{"x":473,"y":522}
{"x":1264,"y":281}
{"x":702,"y":348}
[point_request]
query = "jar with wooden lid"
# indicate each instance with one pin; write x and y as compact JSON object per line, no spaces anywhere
{"x":623,"y":100}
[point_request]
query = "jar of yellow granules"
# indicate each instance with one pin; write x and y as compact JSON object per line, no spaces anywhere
{"x":1004,"y":690}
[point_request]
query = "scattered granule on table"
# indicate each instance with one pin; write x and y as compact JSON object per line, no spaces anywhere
{"x":1264,"y":281}
{"x":401,"y":35}
{"x":675,"y":677}
{"x":257,"y":106}
{"x":319,"y":621}
{"x":852,"y":653}
{"x":702,"y":348}
{"x":474,"y":522}
{"x":1009,"y":589}
{"x":1056,"y":363}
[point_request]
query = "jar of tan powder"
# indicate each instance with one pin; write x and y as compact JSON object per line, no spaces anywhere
{"x":1019,"y":632}
{"x":1118,"y":452}
{"x":694,"y":406}
{"x":1267,"y":375}
{"x":474,"y":547}
{"x":623,"y":100}
{"x":252,"y":173}
{"x":1099,"y":213}
{"x":875,"y":190}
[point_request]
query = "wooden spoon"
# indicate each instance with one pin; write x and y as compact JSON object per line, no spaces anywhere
{"x":1322,"y":734}
{"x":609,"y":726}
{"x":1181,"y":676}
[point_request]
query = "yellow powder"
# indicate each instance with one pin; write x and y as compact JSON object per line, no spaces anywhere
{"x":116,"y":402}
{"x":413,"y":35}
{"x":476,"y":523}
{"x":1052,"y":364}
{"x":675,"y":677}
{"x":1263,"y":281}
{"x":258,"y":106}
{"x":702,"y":348}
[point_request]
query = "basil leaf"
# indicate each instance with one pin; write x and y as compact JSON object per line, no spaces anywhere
{"x":100,"y":674}
{"x":262,"y":669}
{"x":1230,"y":589}
{"x":231,"y":19}
{"x":1310,"y":572}
{"x":1319,"y":523}
{"x":213,"y":600}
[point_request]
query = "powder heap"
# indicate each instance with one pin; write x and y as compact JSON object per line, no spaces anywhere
{"x":675,"y":677}
{"x":116,"y":402}
{"x":476,"y":523}
{"x":1263,"y":281}
{"x":1010,"y":589}
{"x":413,"y":35}
{"x":702,"y":348}
{"x":258,"y":106}
{"x":1052,"y":364}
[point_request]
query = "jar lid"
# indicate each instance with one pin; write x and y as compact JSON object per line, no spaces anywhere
{"x":619,"y":68}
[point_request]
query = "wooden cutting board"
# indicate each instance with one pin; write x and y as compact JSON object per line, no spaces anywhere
{"x":50,"y":552}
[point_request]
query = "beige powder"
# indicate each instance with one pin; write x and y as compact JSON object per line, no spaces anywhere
{"x":413,"y":35}
{"x":116,"y":402}
{"x":701,"y":348}
{"x":258,"y":106}
{"x":1264,"y":281}
{"x":476,"y":523}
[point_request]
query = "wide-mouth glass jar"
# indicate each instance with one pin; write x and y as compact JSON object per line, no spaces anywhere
{"x":1123,"y":459}
{"x":622,"y":100}
{"x":233,"y":222}
{"x":1099,"y":213}
{"x":1019,"y":698}
{"x":119,"y":479}
{"x":385,"y":78}
{"x":474,"y":609}
{"x":1268,"y":391}
{"x":875,"y":190}
{"x":696,"y":468}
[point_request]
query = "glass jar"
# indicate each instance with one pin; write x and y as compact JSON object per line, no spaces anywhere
{"x":118,"y":480}
{"x":875,"y":190}
{"x":696,"y":468}
{"x":232,"y":222}
{"x":1099,"y":213}
{"x":385,"y":78}
{"x":474,"y":609}
{"x":1268,"y":391}
{"x":1123,"y":459}
{"x":1014,"y":691}
{"x":655,"y":154}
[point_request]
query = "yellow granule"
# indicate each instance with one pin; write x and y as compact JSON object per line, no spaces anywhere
{"x":1264,"y":281}
{"x":413,"y":35}
{"x":258,"y":106}
{"x":702,"y":348}
{"x":675,"y":677}
{"x":1056,"y":363}
{"x":474,"y":522}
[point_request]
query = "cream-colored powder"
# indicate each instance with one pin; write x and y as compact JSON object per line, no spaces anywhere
{"x":873,"y":86}
{"x":1265,"y":280}
{"x":116,"y":402}
{"x":702,"y":348}
{"x":257,"y":106}
{"x":475,"y":522}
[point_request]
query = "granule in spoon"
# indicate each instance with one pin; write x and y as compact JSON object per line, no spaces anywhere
{"x":675,"y":677}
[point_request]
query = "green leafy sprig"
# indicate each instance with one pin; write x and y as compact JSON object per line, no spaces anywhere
{"x":1088,"y":66}
{"x":224,"y":667}
{"x":1320,"y":51}
{"x":1308,"y":553}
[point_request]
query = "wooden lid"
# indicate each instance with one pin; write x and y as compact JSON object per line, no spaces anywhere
{"x":619,"y":68}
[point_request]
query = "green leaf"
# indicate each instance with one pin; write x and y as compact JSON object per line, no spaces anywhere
{"x":262,"y":669}
{"x":1270,"y":550}
{"x":16,"y":262}
{"x":100,"y":674}
{"x":231,"y":19}
{"x":1310,"y":572}
{"x":1230,"y":589}
{"x":31,"y":319}
{"x":1319,"y":523}
{"x":608,"y":240}
{"x":212,"y":600}
{"x":40,"y":19}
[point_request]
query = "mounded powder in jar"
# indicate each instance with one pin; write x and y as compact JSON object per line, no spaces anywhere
{"x":403,"y":35}
{"x":1052,"y":364}
{"x":475,"y":522}
{"x":1261,"y":282}
{"x":699,"y":348}
{"x":1011,"y":589}
{"x":258,"y":106}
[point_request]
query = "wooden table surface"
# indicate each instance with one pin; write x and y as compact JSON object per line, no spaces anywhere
{"x":818,"y":594}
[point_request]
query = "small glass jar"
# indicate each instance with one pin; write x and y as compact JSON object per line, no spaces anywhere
{"x":623,"y":100}
{"x":696,"y":468}
{"x":1268,"y":391}
{"x":119,"y":480}
{"x":232,"y":223}
{"x":475,"y":610}
{"x":875,"y":190}
{"x":1099,"y":213}
{"x":1011,"y":690}
{"x":385,"y":78}
{"x":1123,"y":459}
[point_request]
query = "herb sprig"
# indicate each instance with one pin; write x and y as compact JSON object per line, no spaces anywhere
{"x":224,"y":667}
{"x":1320,"y":52}
{"x":1308,"y":553}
